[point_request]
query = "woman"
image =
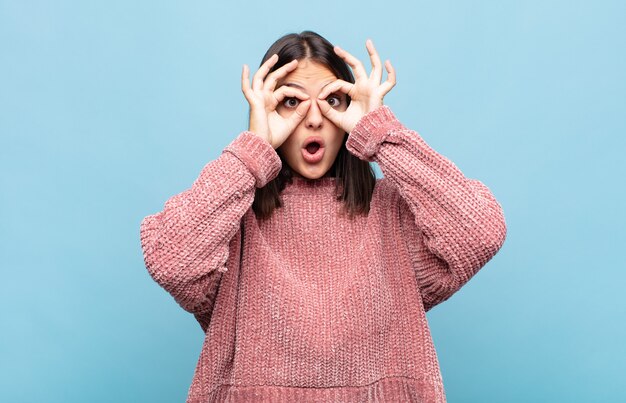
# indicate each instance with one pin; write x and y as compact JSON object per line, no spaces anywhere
{"x":310,"y":277}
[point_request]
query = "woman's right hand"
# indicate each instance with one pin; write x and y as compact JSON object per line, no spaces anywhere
{"x":263,"y":98}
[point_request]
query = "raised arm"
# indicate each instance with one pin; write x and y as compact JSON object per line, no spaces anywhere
{"x":451,"y":224}
{"x":186,"y":246}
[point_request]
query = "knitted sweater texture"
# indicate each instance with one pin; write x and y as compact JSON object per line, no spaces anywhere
{"x":310,"y":305}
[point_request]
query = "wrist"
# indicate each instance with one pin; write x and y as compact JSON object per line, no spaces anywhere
{"x":261,"y":136}
{"x":371,"y":131}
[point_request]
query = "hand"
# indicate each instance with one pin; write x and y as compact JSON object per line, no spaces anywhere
{"x":264,"y":98}
{"x":366,"y":93}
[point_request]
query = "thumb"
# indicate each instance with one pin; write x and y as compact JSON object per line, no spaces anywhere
{"x":328,"y":111}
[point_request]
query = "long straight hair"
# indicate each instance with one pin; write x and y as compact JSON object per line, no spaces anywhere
{"x":355,"y":179}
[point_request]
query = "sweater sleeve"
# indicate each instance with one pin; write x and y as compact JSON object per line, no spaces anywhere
{"x":452,"y":225}
{"x":186,"y":245}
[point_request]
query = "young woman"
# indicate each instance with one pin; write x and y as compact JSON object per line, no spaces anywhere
{"x":310,"y":277}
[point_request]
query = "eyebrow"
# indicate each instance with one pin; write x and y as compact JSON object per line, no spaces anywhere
{"x":302,"y":88}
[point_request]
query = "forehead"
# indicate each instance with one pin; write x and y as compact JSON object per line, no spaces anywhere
{"x":309,"y":74}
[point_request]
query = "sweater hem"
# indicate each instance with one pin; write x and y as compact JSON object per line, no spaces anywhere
{"x":389,"y":389}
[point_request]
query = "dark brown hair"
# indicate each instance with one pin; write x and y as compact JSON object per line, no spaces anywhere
{"x":355,"y":179}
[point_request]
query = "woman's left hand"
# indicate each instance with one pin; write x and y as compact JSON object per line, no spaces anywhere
{"x":366,"y":94}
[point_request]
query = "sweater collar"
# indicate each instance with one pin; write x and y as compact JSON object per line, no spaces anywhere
{"x":310,"y":186}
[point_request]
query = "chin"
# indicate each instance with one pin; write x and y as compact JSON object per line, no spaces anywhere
{"x":301,"y":168}
{"x":311,"y":173}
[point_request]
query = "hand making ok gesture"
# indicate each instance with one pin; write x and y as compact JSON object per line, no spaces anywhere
{"x":263,"y":98}
{"x":366,"y":93}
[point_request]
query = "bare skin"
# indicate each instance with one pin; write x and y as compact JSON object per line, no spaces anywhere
{"x":311,"y":101}
{"x":311,"y":77}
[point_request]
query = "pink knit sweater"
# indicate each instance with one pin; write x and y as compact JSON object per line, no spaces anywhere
{"x":310,"y":306}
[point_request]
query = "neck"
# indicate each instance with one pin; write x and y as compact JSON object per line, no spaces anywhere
{"x":303,"y":185}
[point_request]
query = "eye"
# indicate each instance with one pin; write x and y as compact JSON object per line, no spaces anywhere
{"x":291,"y":102}
{"x":333,"y":101}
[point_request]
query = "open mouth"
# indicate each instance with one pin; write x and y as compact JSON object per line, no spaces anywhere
{"x":313,"y":149}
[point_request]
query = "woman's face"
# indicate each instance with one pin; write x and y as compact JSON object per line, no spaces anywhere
{"x":311,"y":162}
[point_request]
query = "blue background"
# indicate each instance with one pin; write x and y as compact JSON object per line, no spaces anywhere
{"x":108,"y":108}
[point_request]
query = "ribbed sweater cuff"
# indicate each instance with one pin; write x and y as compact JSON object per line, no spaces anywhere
{"x":258,"y":155}
{"x":371,"y":131}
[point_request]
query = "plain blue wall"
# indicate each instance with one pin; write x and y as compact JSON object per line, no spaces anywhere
{"x":108,"y":108}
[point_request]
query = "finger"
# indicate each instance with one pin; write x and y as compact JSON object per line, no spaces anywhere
{"x":391,"y":78}
{"x":337,"y":85}
{"x":274,"y":76}
{"x":357,"y":66}
{"x":245,"y":82}
{"x":285,"y":91}
{"x":295,"y":118}
{"x":257,"y":80}
{"x":332,"y":114}
{"x":377,"y":68}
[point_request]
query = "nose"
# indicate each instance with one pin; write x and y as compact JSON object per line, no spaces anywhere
{"x":314,"y":117}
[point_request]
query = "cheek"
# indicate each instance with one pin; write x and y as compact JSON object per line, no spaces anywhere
{"x":338,"y":138}
{"x":288,"y":148}
{"x":335,"y":146}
